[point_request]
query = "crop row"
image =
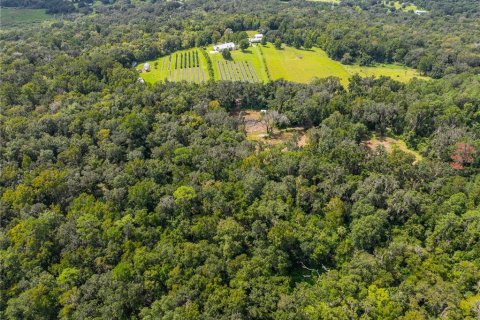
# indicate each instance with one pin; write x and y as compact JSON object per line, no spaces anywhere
{"x":195,"y":74}
{"x":237,"y":71}
{"x":186,"y":60}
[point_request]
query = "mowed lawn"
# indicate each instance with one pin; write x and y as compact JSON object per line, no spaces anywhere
{"x":301,"y":65}
{"x":170,"y":68}
{"x":19,"y":16}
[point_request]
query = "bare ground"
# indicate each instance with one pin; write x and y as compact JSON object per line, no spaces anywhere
{"x":391,"y":144}
{"x":256,"y":130}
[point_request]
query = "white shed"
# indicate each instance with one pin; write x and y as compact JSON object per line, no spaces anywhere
{"x":256,"y":38}
{"x":224,"y":46}
{"x":146,"y":67}
{"x":420,"y":12}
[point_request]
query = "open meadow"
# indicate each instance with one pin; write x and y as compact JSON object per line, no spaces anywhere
{"x":19,"y":16}
{"x":304,"y":65}
{"x":400,"y":6}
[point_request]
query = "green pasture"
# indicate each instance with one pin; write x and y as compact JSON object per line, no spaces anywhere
{"x":398,"y":5}
{"x":19,"y":16}
{"x":303,"y":66}
{"x":258,"y":62}
{"x":397,"y":72}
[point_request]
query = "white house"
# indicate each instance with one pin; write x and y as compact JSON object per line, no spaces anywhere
{"x":256,"y":38}
{"x":146,"y":67}
{"x":224,"y":46}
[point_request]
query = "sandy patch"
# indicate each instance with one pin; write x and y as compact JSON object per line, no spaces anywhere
{"x":390,"y":145}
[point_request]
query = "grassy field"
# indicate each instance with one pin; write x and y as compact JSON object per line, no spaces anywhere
{"x":186,"y":65}
{"x":259,"y":63}
{"x":19,"y":16}
{"x":397,"y":72}
{"x":397,"y":5}
{"x":304,"y":65}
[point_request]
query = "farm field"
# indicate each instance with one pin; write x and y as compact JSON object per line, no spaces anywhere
{"x":244,"y":66}
{"x":19,"y":16}
{"x":186,"y":65}
{"x":259,"y":62}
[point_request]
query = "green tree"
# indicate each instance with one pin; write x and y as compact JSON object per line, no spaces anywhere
{"x":226,"y":54}
{"x":244,"y":44}
{"x":278,"y":44}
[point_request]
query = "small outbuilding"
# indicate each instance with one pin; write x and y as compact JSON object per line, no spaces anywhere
{"x":256,"y":38}
{"x":420,"y":12}
{"x":146,"y":67}
{"x":225,"y":46}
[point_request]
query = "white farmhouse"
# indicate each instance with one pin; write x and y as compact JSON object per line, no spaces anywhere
{"x":256,"y":38}
{"x":224,"y":46}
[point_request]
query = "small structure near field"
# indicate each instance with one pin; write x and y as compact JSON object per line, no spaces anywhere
{"x":420,"y":12}
{"x":224,"y":46}
{"x":256,"y":38}
{"x":146,"y":67}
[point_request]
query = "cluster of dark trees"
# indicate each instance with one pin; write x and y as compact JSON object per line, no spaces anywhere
{"x":123,"y":200}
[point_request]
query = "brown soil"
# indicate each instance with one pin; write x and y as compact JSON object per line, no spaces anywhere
{"x":256,"y":130}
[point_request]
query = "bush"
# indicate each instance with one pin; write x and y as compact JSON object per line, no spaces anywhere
{"x":227,"y":55}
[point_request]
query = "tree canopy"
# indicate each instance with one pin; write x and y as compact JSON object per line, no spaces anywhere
{"x":128,"y":200}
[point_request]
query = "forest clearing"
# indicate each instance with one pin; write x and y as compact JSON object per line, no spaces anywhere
{"x":258,"y":63}
{"x":391,"y":144}
{"x":255,"y":128}
{"x":20,"y":16}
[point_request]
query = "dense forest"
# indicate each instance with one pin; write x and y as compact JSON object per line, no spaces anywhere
{"x":129,"y":200}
